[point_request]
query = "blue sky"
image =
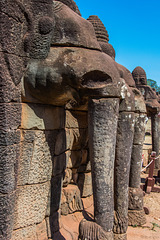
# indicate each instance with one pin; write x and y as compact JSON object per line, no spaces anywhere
{"x":134,"y":31}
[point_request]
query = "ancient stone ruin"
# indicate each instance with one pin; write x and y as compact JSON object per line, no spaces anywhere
{"x":152,"y":105}
{"x":72,"y":125}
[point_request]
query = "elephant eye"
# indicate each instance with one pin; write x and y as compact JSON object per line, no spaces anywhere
{"x":45,"y":25}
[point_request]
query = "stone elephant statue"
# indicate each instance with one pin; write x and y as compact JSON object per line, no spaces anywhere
{"x":77,"y":75}
{"x":131,"y":126}
{"x":152,"y":106}
{"x":62,"y":67}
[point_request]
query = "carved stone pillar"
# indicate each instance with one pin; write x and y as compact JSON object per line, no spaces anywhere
{"x":125,"y":133}
{"x":155,"y":138}
{"x":102,"y":124}
{"x":136,"y":215}
{"x":103,"y":116}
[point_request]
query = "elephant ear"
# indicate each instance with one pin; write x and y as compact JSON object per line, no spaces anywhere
{"x":13,"y":25}
{"x":22,"y":37}
{"x":71,"y":4}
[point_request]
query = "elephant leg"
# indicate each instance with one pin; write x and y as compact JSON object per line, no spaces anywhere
{"x":103,"y":117}
{"x":155,"y":138}
{"x":136,"y":215}
{"x":125,"y":133}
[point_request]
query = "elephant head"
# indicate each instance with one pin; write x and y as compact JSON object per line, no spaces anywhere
{"x":75,"y":67}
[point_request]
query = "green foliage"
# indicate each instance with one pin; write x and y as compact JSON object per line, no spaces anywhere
{"x":154,"y":225}
{"x":153,"y":84}
{"x":135,"y":225}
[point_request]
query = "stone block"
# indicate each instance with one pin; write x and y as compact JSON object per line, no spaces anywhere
{"x":85,"y":184}
{"x":135,"y":199}
{"x":76,"y":119}
{"x":10,"y":116}
{"x":42,"y":117}
{"x":136,"y":217}
{"x":9,"y":137}
{"x":34,"y":232}
{"x":37,"y":153}
{"x":71,"y":200}
{"x":31,"y":204}
{"x":8,"y":167}
{"x":26,"y":233}
{"x":41,"y":231}
{"x":6,"y":215}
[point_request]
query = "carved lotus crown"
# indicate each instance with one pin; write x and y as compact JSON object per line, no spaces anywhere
{"x":102,"y":35}
{"x":100,"y":30}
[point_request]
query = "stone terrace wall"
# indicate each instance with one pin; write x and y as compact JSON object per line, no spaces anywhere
{"x":54,"y":144}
